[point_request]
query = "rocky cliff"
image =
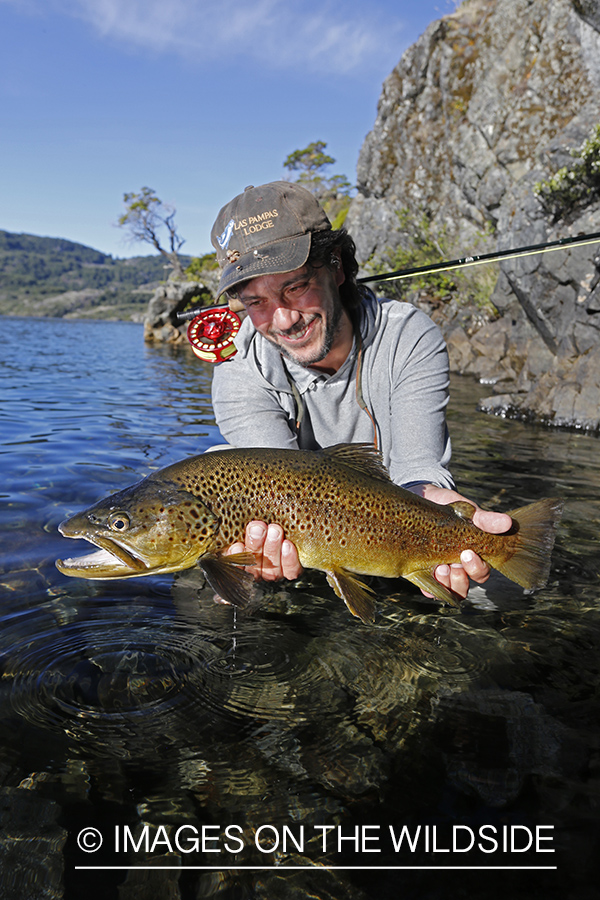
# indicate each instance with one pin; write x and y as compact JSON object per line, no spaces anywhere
{"x":488,"y":102}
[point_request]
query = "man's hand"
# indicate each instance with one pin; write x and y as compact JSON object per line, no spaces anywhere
{"x":276,"y":557}
{"x":456,"y":576}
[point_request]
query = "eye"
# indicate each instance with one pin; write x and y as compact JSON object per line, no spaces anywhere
{"x":298,"y":287}
{"x":118,"y":521}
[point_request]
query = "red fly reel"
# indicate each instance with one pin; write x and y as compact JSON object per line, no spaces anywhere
{"x":211,"y":334}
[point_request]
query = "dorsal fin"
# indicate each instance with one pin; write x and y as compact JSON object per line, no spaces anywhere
{"x":365,"y":458}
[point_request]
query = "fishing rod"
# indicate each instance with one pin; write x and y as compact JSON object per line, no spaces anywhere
{"x":463,"y":262}
{"x":212,"y":329}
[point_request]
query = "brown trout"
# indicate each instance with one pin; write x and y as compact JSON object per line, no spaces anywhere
{"x":338,"y":506}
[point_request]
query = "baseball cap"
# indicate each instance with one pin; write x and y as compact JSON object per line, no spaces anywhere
{"x":266,"y":230}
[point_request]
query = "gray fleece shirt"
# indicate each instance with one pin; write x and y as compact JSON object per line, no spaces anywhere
{"x":262,"y":399}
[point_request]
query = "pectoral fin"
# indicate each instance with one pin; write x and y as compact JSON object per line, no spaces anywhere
{"x":227,"y":579}
{"x":354,"y":593}
{"x":245,"y":558}
{"x":426,"y":582}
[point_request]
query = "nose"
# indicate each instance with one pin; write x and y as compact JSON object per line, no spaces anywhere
{"x":285,"y":317}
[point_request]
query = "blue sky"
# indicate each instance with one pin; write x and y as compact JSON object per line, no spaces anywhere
{"x":194,"y":98}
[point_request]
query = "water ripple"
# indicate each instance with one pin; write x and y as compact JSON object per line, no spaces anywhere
{"x":116,"y":682}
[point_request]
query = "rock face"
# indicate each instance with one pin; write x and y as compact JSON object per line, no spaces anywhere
{"x":160,"y":322}
{"x":488,"y":102}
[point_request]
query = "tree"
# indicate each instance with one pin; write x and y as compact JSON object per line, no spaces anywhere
{"x":144,"y":217}
{"x":310,"y":162}
{"x":332,"y":191}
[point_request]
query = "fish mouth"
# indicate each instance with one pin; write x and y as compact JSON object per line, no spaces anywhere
{"x":111,"y":560}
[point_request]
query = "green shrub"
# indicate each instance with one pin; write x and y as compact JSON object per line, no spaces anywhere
{"x":423,"y":247}
{"x":199,"y":265}
{"x":573,"y":187}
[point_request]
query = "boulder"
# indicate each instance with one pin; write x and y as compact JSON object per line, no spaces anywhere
{"x":160,"y":322}
{"x":488,"y":102}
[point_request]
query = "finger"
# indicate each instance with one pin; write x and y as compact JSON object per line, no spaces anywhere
{"x":454,"y":578}
{"x":474,"y":566}
{"x":459,"y":580}
{"x":290,"y":563}
{"x":238,"y":547}
{"x":271,"y":560}
{"x":492,"y":522}
{"x":256,"y":533}
{"x":441,"y":574}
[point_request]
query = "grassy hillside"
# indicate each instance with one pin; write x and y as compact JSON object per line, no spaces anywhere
{"x":42,"y":276}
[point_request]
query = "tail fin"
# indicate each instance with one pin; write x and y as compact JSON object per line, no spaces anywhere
{"x":536,"y":523}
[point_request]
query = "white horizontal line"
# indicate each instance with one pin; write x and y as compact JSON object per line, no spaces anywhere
{"x":323,"y":866}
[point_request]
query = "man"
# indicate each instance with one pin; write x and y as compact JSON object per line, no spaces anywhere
{"x":321,"y":361}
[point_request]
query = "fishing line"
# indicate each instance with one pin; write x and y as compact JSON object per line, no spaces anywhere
{"x":464,"y":262}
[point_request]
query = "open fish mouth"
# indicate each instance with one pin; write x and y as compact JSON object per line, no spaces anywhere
{"x":111,"y":560}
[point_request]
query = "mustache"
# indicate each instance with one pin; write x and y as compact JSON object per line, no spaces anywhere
{"x":302,"y":325}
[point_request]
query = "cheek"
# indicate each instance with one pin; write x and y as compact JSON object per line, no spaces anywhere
{"x":322,"y":298}
{"x":260,"y":318}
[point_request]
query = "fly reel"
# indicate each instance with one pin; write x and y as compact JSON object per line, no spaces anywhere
{"x":211,"y":333}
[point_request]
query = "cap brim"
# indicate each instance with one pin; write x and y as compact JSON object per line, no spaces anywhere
{"x":272,"y":259}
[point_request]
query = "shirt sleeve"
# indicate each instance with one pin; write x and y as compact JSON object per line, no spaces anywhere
{"x":420,"y":444}
{"x":248,"y":411}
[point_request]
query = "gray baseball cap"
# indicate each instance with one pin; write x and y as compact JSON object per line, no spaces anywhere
{"x":265,"y":231}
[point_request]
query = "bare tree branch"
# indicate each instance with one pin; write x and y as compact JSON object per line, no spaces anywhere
{"x":144,"y":217}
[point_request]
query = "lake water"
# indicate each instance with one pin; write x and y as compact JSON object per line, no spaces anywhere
{"x":279,"y":754}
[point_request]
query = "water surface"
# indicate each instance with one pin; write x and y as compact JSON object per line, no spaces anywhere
{"x":295,"y":736}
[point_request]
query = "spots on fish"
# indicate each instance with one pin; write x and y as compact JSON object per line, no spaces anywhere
{"x":341,"y":518}
{"x":306,"y":496}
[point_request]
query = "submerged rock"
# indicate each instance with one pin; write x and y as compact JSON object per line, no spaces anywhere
{"x":31,"y":846}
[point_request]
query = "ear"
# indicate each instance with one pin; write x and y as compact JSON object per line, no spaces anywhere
{"x":337,"y":267}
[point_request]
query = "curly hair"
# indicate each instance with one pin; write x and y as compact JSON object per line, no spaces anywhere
{"x":322,"y":248}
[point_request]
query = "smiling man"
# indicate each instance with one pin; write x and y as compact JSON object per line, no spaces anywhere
{"x":302,"y":314}
{"x":321,"y":361}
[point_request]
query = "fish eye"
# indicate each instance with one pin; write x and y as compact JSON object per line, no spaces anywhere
{"x":118,"y":521}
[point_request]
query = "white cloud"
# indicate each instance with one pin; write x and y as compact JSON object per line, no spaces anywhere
{"x":339,"y":36}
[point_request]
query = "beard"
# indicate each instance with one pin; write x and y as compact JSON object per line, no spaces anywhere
{"x":315,"y":354}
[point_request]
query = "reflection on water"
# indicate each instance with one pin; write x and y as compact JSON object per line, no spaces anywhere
{"x":295,"y":736}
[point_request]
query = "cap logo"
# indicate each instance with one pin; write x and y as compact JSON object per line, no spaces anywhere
{"x":266,"y":230}
{"x":223,"y":239}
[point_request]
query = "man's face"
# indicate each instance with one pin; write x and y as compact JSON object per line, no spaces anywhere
{"x":301,"y":311}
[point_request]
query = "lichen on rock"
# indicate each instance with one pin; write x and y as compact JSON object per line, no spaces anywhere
{"x":488,"y":102}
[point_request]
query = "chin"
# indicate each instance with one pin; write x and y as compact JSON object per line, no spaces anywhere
{"x":305,"y":356}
